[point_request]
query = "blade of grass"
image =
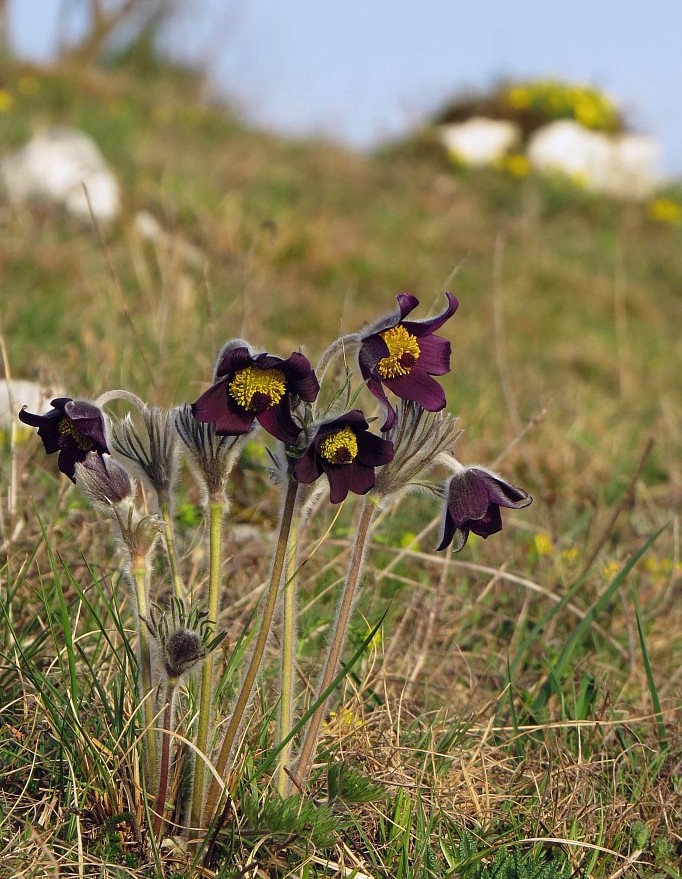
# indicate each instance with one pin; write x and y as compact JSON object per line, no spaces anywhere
{"x":557,"y":670}
{"x":651,"y":683}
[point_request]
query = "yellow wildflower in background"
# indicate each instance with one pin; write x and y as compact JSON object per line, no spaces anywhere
{"x":516,"y":165}
{"x":560,"y":100}
{"x":542,"y":544}
{"x":610,"y":570}
{"x":665,"y":210}
{"x":345,"y":720}
{"x":6,"y":101}
{"x":519,"y":97}
{"x":570,"y":555}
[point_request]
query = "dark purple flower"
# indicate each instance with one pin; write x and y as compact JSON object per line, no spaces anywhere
{"x":260,"y":387}
{"x":73,"y":428}
{"x":474,"y":498}
{"x":403,"y":355}
{"x":347,"y":452}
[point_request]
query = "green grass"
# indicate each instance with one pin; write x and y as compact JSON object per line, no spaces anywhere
{"x":519,"y":717}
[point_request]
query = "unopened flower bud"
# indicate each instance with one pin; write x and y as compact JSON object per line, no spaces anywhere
{"x":103,"y":480}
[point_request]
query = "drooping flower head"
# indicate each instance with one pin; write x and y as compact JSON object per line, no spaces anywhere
{"x":347,"y":452}
{"x":73,"y":428}
{"x":474,"y":498}
{"x":260,"y":387}
{"x":103,"y":480}
{"x":403,"y":355}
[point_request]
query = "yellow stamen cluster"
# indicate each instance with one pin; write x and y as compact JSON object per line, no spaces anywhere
{"x":257,"y":389}
{"x":340,"y":447}
{"x":403,"y":353}
{"x":66,"y":428}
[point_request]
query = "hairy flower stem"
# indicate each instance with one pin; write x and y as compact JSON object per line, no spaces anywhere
{"x":145,"y":661}
{"x":308,"y":749}
{"x":288,"y":658}
{"x":215,"y":519}
{"x":259,"y":649}
{"x":325,"y":361}
{"x":164,"y":771}
{"x":169,"y":534}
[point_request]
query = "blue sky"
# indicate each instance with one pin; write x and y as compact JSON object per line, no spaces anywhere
{"x":360,"y":70}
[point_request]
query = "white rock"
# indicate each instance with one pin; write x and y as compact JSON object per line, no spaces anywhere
{"x":54,"y":167}
{"x":623,"y":166}
{"x":479,"y":141}
{"x":569,"y":148}
{"x":636,"y":165}
{"x":20,"y":392}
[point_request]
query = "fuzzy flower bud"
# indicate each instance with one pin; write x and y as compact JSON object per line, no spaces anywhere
{"x":103,"y":480}
{"x":420,"y":439}
{"x":184,"y":639}
{"x":154,"y":455}
{"x":211,"y":456}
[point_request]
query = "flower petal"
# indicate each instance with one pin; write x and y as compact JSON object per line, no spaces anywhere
{"x":232,"y":360}
{"x":489,"y":524}
{"x":373,"y":451}
{"x":301,"y":379}
{"x":48,"y":427}
{"x":362,"y":478}
{"x":339,"y":481}
{"x":66,"y":462}
{"x":375,"y":387}
{"x":372,"y":350}
{"x":431,"y":324}
{"x":434,"y":356}
{"x":420,"y":387}
{"x":501,"y":492}
{"x":354,"y":419}
{"x":278,"y":422}
{"x":88,"y":421}
{"x":308,"y":467}
{"x":468,"y":498}
{"x":406,"y":303}
{"x":214,"y":405}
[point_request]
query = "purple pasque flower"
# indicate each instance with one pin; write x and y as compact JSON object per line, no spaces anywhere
{"x":73,"y":428}
{"x":474,"y":498}
{"x":403,"y":355}
{"x":250,"y":387}
{"x":347,"y":452}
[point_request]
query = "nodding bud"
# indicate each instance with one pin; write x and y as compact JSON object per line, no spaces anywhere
{"x":182,"y":651}
{"x":103,"y":480}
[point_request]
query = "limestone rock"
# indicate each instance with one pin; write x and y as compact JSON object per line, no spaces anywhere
{"x":54,"y":167}
{"x":479,"y":141}
{"x":622,"y":165}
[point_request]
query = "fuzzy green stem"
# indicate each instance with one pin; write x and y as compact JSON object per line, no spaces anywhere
{"x":145,"y":660}
{"x":312,"y":735}
{"x":164,"y":771}
{"x":259,"y":649}
{"x":169,"y":534}
{"x":215,"y":518}
{"x":288,"y":658}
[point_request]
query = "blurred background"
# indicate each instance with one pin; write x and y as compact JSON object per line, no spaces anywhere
{"x":362,"y":72}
